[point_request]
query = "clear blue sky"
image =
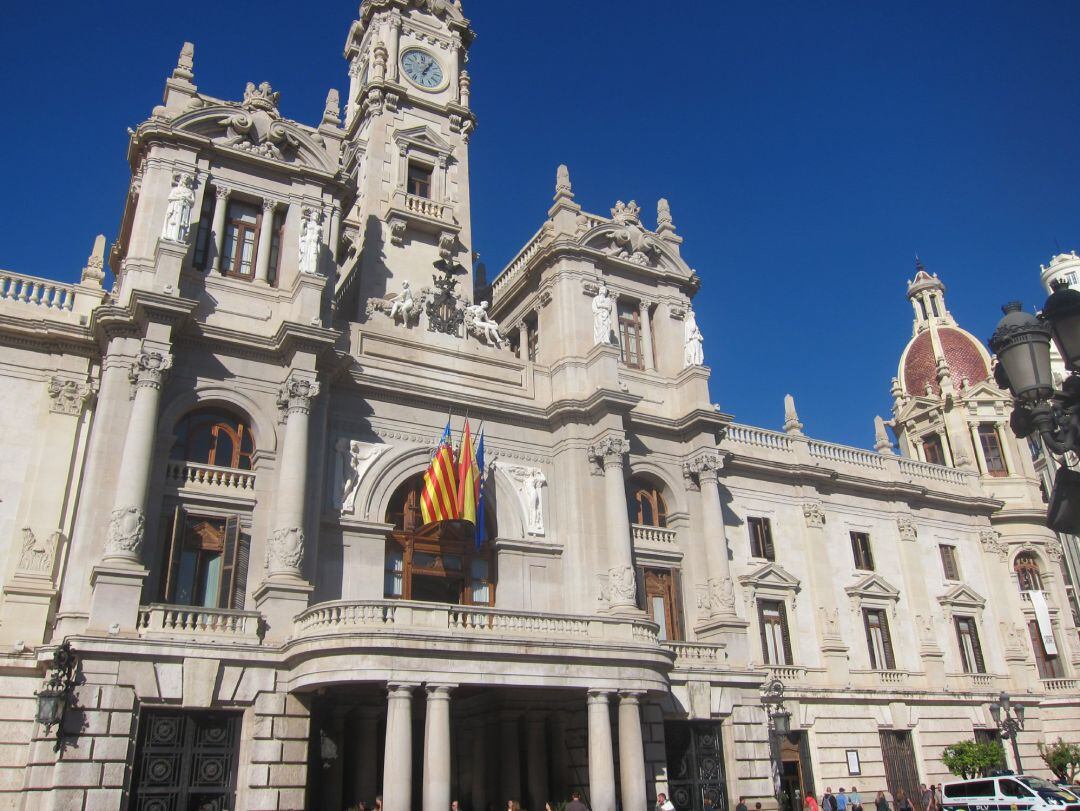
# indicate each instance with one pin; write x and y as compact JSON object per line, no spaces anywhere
{"x":809,"y":150}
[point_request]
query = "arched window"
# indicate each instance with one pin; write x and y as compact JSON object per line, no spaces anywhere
{"x":1028,"y":574}
{"x":437,"y":563}
{"x":214,"y":436}
{"x":647,"y":505}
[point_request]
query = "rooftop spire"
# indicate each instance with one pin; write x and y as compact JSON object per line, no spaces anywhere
{"x":792,"y":425}
{"x":185,"y":64}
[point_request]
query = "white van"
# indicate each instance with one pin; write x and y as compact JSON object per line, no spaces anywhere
{"x":1021,"y":792}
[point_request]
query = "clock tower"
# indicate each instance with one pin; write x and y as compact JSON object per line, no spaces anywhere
{"x":408,"y":123}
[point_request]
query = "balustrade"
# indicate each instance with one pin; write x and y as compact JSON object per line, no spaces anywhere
{"x":193,"y":474}
{"x":21,"y":289}
{"x":193,"y":622}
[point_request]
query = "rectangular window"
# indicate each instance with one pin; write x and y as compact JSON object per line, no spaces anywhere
{"x":932,"y":449}
{"x":761,"y":542}
{"x":967,"y":635}
{"x":878,"y":640}
{"x":630,"y":336}
{"x":661,"y":598}
{"x":948,"y":561}
{"x":241,"y":238}
{"x":1049,"y":666}
{"x":775,"y":637}
{"x":277,"y":239}
{"x":991,"y":447}
{"x":207,"y":564}
{"x":202,"y":235}
{"x":860,"y":548}
{"x":419,"y":180}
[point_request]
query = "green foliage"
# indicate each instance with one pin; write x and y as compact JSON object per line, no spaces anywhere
{"x":968,"y":759}
{"x":1063,"y":759}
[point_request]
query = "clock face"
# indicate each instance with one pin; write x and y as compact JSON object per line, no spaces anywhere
{"x":422,"y":69}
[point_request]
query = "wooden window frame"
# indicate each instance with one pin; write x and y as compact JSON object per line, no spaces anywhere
{"x":973,"y":662}
{"x":203,"y":233}
{"x":234,"y":555}
{"x":631,"y":339}
{"x":645,"y":496}
{"x":950,"y":566}
{"x":761,"y":540}
{"x":277,"y":245}
{"x":882,"y":624}
{"x":666,"y":583}
{"x":1049,"y":667}
{"x":217,"y":421}
{"x":862,"y":551}
{"x":780,"y":608}
{"x":1028,"y":572}
{"x":934,"y":441}
{"x":235,"y":225}
{"x":988,"y":434}
{"x":416,"y":185}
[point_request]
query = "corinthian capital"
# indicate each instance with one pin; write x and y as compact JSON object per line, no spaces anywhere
{"x":297,"y":393}
{"x":705,"y":466}
{"x":149,"y":368}
{"x":609,"y":451}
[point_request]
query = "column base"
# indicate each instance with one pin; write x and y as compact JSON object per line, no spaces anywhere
{"x":628,"y":610}
{"x":116,"y":596}
{"x":280,"y":598}
{"x":28,"y":600}
{"x":718,"y":625}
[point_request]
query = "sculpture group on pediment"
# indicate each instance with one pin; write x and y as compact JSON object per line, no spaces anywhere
{"x":603,"y":308}
{"x":257,"y":126}
{"x":481,"y":325}
{"x":178,"y":213}
{"x":629,"y":240}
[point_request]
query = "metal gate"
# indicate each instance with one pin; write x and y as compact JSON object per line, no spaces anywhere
{"x":186,"y":761}
{"x":695,"y":761}
{"x":901,"y":772}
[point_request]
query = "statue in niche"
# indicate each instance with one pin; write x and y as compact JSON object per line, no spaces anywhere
{"x":603,"y":307}
{"x":310,"y":241}
{"x":530,"y":482}
{"x":178,"y":213}
{"x":480,"y":324}
{"x":354,"y":459}
{"x":693,"y":352}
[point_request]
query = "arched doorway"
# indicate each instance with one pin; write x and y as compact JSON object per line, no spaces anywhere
{"x":440,"y":562}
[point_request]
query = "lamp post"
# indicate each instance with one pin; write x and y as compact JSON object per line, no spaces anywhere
{"x":1010,"y":720}
{"x":1022,"y":345}
{"x":56,"y":694}
{"x":779,"y":720}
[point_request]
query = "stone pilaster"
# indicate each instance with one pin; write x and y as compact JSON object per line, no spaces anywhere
{"x":832,"y":647}
{"x":620,"y":591}
{"x":266,"y":235}
{"x":221,"y":204}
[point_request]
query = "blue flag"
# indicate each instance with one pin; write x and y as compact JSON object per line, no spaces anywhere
{"x":480,"y":522}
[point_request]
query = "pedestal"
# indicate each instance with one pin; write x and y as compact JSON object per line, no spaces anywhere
{"x":115,"y":599}
{"x":280,"y":601}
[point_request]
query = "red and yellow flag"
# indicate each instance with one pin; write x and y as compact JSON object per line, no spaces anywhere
{"x":439,"y":501}
{"x":468,"y":478}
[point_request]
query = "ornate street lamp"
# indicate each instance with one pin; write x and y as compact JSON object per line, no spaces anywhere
{"x":1022,"y":345}
{"x":57,"y":692}
{"x":1009,"y":719}
{"x":779,"y":720}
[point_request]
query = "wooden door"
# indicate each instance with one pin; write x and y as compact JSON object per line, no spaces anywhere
{"x":901,"y":771}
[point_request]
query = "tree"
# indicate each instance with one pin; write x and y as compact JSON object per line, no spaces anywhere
{"x":970,"y":759}
{"x":1063,"y":759}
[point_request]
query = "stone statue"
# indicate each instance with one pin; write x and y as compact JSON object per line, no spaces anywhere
{"x":404,"y":306}
{"x":603,"y":307}
{"x":530,"y":481}
{"x":310,"y":241}
{"x":354,"y":459}
{"x":619,"y":587}
{"x":178,"y":214}
{"x":693,"y":353}
{"x":480,"y":324}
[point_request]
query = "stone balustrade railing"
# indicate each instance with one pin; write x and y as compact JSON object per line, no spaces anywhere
{"x":788,"y":674}
{"x":195,"y":623}
{"x":967,"y":682}
{"x":690,"y":654}
{"x":1026,"y":596}
{"x":659,"y":536}
{"x":795,"y":449}
{"x":1061,"y":685}
{"x":209,"y":477}
{"x":518,"y":263}
{"x":31,"y":291}
{"x":467,"y":622}
{"x":424,"y":206}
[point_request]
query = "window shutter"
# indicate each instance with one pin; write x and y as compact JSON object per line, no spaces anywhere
{"x":677,"y":598}
{"x":886,"y":639}
{"x":176,"y":542}
{"x":243,"y":556}
{"x":980,"y":664}
{"x":761,"y":627}
{"x":229,"y":555}
{"x":855,"y":550}
{"x":868,"y":553}
{"x":786,"y":633}
{"x":766,"y":531}
{"x":642,"y":600}
{"x":958,"y":624}
{"x":874,"y":664}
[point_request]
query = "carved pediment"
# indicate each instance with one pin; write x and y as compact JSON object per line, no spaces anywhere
{"x":771,"y":577}
{"x":424,"y":139}
{"x":983,"y":390}
{"x":873,"y":587}
{"x":962,"y":597}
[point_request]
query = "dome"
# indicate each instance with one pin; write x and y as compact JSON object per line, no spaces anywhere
{"x":965,"y":355}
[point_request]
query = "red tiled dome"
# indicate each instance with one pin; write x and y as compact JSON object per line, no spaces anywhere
{"x":963,"y":353}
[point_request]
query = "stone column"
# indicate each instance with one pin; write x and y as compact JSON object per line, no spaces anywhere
{"x":720,"y":591}
{"x":128,"y":517}
{"x":266,"y":235}
{"x":479,"y":767}
{"x":333,"y":233}
{"x":392,"y":48}
{"x":333,"y":778}
{"x":537,"y":760}
{"x":648,"y":359}
{"x":523,"y":340}
{"x":367,"y":777}
{"x":510,"y":754}
{"x":631,"y":753}
{"x":621,"y":590}
{"x":397,"y":759}
{"x":601,"y":757}
{"x":221,"y":204}
{"x":437,"y":749}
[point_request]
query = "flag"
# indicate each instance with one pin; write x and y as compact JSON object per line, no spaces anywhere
{"x":468,"y":478}
{"x":480,"y":523}
{"x":439,"y":501}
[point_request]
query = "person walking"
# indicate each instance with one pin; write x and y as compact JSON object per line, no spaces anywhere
{"x":902,"y":801}
{"x":828,"y":801}
{"x":810,"y":803}
{"x":841,"y":800}
{"x":741,"y":806}
{"x":880,"y":803}
{"x":663,"y":803}
{"x":575,"y":803}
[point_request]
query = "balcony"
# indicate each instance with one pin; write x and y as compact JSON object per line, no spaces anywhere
{"x":697,"y":655}
{"x":422,"y":213}
{"x":43,"y":298}
{"x":195,"y":624}
{"x":888,"y":679}
{"x":971,"y":682}
{"x":654,"y":536}
{"x":210,"y":479}
{"x":788,"y":674}
{"x":1061,"y":685}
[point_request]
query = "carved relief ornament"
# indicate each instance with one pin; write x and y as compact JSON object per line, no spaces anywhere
{"x":907,"y":529}
{"x":297,"y":393}
{"x":814,"y":513}
{"x":126,"y":529}
{"x":285,"y":550}
{"x":619,"y":586}
{"x":37,"y":557}
{"x":69,"y":396}
{"x":991,"y":542}
{"x":609,"y":451}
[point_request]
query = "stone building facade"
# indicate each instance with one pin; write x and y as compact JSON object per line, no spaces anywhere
{"x":212,"y":497}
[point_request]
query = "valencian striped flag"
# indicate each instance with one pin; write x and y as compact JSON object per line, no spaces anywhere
{"x":439,"y":501}
{"x":468,"y":478}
